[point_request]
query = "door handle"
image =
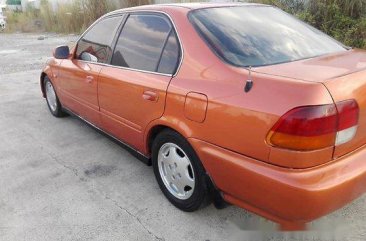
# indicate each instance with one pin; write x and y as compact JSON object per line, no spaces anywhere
{"x":89,"y":79}
{"x":150,"y":96}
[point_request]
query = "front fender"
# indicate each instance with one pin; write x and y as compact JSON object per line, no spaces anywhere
{"x":47,"y":71}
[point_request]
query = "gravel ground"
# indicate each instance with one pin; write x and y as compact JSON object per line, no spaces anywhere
{"x":62,"y":180}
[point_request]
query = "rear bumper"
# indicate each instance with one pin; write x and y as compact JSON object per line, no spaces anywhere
{"x":281,"y":194}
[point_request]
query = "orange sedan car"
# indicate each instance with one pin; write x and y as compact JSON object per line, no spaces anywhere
{"x":239,"y":101}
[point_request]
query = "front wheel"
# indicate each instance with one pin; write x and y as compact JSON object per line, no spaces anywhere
{"x":52,"y":100}
{"x":178,"y":171}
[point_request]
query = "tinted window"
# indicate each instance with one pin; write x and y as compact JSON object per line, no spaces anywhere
{"x":260,"y":35}
{"x":141,"y":42}
{"x":98,"y":40}
{"x":170,"y":56}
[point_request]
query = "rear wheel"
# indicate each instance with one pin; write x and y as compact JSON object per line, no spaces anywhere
{"x":178,"y":171}
{"x":53,"y":102}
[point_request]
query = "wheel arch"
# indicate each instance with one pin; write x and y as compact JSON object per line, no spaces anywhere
{"x":157,"y":128}
{"x":165,"y":122}
{"x":153,"y":132}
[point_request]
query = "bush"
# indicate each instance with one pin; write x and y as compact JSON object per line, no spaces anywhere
{"x":345,"y":20}
{"x":27,"y":21}
{"x":71,"y":17}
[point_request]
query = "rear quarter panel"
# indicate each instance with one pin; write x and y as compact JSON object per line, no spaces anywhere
{"x":352,"y":86}
{"x":236,"y":120}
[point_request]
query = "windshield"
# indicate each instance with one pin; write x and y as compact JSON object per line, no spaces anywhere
{"x":260,"y":35}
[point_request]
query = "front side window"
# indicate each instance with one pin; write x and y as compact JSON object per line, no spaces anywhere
{"x":141,"y":42}
{"x":96,"y":44}
{"x":260,"y":35}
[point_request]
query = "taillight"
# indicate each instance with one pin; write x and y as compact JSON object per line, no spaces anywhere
{"x":348,"y":114}
{"x":316,"y":127}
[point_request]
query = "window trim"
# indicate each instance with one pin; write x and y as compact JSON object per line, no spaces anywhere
{"x":123,"y":19}
{"x":162,"y":50}
{"x":125,"y":15}
{"x":165,"y":41}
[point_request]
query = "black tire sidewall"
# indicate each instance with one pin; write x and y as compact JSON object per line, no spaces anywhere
{"x":200,"y":190}
{"x":58,"y":112}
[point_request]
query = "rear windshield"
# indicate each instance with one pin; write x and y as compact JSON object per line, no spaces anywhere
{"x":260,"y":35}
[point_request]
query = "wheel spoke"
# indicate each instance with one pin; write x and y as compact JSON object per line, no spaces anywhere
{"x":182,"y":168}
{"x":188,"y":180}
{"x":173,"y":155}
{"x":180,"y":186}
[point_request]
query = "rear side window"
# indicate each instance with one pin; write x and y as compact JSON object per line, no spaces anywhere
{"x":170,"y":56}
{"x":96,"y":44}
{"x":141,"y":42}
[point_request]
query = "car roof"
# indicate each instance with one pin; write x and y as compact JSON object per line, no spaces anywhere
{"x":188,"y":6}
{"x":198,"y":5}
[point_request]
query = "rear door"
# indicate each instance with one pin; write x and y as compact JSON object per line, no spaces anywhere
{"x":79,"y":76}
{"x":132,"y":90}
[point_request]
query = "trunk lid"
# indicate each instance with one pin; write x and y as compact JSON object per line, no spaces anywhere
{"x":320,"y":68}
{"x":343,"y":74}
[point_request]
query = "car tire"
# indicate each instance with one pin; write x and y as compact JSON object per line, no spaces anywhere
{"x":179,"y":172}
{"x":53,"y":102}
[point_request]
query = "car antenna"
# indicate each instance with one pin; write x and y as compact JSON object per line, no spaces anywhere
{"x":249,"y":84}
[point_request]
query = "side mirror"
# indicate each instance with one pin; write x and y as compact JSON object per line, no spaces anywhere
{"x":88,"y":57}
{"x":61,"y":52}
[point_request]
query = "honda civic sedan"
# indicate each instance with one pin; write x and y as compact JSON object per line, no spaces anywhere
{"x":242,"y":102}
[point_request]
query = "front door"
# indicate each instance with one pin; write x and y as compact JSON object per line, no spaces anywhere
{"x":79,"y":76}
{"x":79,"y":83}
